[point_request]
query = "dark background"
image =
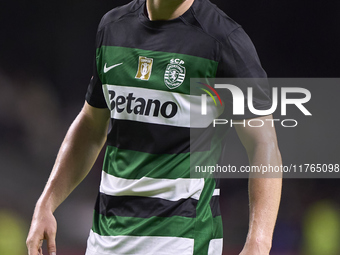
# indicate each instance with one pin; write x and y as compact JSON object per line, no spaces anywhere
{"x":46,"y":54}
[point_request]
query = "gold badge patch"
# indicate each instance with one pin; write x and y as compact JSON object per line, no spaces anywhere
{"x":144,"y":68}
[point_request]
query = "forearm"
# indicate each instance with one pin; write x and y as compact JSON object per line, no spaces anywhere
{"x":75,"y":159}
{"x":264,"y":190}
{"x":264,"y":198}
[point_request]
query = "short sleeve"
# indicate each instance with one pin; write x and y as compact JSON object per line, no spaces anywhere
{"x":239,"y":59}
{"x":95,"y":96}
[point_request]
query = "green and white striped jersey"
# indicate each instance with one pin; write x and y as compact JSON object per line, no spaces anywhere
{"x":147,"y":203}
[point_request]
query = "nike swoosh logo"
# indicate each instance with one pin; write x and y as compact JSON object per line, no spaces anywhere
{"x":106,"y":69}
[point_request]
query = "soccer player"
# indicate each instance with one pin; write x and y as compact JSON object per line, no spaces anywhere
{"x":146,"y":53}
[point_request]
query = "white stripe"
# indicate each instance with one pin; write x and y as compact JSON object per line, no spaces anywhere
{"x":204,"y":104}
{"x":216,"y":192}
{"x":170,"y":189}
{"x":186,"y":105}
{"x":138,"y":245}
{"x":215,"y":247}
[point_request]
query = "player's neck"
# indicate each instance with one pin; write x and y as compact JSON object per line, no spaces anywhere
{"x":167,"y":9}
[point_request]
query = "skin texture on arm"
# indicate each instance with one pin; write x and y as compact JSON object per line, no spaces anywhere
{"x":264,"y":193}
{"x":78,"y":152}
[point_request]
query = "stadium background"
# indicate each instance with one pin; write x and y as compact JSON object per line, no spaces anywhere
{"x":46,"y":51}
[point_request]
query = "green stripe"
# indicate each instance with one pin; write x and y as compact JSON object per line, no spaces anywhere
{"x":218,"y":231}
{"x":130,"y":164}
{"x":175,"y":226}
{"x":195,"y":67}
{"x":205,"y":225}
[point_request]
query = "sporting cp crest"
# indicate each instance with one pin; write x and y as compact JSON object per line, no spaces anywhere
{"x":174,"y":73}
{"x":144,"y":68}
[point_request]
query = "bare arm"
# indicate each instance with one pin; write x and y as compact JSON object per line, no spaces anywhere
{"x":264,"y":193}
{"x":78,"y":152}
